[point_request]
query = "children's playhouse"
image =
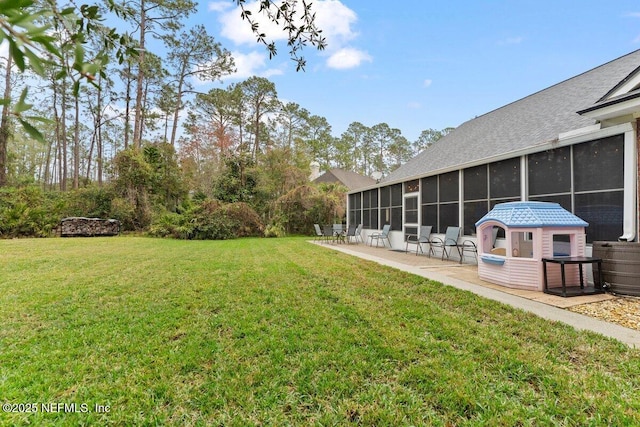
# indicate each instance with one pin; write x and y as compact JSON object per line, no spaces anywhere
{"x":514,"y":237}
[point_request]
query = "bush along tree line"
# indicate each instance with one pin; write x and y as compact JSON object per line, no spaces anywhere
{"x":102,"y":139}
{"x":149,"y":193}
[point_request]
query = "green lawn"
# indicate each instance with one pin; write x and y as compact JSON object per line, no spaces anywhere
{"x":281,"y":332}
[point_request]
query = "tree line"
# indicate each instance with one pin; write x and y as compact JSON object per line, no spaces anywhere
{"x":72,"y":119}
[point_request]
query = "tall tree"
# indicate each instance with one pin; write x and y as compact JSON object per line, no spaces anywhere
{"x":261,"y":98}
{"x":318,"y":140}
{"x":293,"y":119}
{"x":357,"y":139}
{"x":157,"y":17}
{"x":195,"y":55}
{"x":393,"y":148}
{"x":218,"y":108}
{"x":5,"y":131}
{"x":428,"y":137}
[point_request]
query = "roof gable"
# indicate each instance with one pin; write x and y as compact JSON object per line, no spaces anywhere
{"x":349,"y":179}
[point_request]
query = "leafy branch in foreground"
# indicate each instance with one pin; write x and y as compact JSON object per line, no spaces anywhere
{"x":300,"y":30}
{"x":28,"y":27}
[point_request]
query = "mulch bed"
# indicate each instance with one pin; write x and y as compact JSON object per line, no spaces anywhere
{"x":624,"y":311}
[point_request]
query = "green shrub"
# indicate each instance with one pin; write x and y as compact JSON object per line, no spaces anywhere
{"x":309,"y":204}
{"x":28,"y":212}
{"x":209,"y":220}
{"x":90,"y":202}
{"x":274,"y":230}
{"x":245,"y":219}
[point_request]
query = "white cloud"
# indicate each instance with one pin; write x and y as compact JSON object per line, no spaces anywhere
{"x":348,"y":57}
{"x":427,"y":83}
{"x":334,"y":19}
{"x":251,"y":64}
{"x":239,"y":31}
{"x":632,"y":15}
{"x":414,"y":105}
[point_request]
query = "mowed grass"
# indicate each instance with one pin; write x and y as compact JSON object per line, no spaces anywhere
{"x":282,"y":332}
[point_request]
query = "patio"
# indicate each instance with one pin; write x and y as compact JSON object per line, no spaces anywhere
{"x":452,"y":271}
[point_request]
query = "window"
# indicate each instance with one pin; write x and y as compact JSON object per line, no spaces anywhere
{"x":599,"y":186}
{"x":391,"y":206}
{"x":562,"y":244}
{"x":550,"y":172}
{"x":595,"y":191}
{"x":504,"y":180}
{"x":599,"y":164}
{"x":412,"y":186}
{"x":475,"y":183}
{"x":448,"y":187}
{"x":370,"y":209}
{"x":448,"y":195}
{"x":476,"y":197}
{"x":473,"y":211}
{"x":604,"y":213}
{"x":522,"y":244}
{"x":355,"y":213}
{"x":448,"y":216}
{"x":396,"y":207}
{"x":429,"y":190}
{"x":411,"y":210}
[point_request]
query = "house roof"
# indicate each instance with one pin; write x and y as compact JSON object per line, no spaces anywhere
{"x":349,"y":179}
{"x":535,"y":120}
{"x":532,"y":215}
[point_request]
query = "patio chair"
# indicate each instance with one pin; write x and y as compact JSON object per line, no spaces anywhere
{"x":383,"y":235}
{"x":319,"y":234}
{"x":351,"y":233}
{"x":450,"y":241}
{"x":359,"y":233}
{"x":327,"y":232}
{"x":419,"y":239}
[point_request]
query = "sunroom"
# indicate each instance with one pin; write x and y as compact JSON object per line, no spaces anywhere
{"x":536,"y":149}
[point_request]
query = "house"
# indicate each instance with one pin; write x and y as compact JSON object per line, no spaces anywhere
{"x":574,"y":143}
{"x":349,"y":179}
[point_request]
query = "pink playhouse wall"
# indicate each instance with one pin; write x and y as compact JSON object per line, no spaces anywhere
{"x":516,"y":262}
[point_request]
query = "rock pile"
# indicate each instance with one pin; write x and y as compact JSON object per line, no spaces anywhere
{"x":86,"y":227}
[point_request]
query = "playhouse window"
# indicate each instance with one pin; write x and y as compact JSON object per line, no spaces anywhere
{"x":490,"y":236}
{"x":562,"y":244}
{"x":522,"y":244}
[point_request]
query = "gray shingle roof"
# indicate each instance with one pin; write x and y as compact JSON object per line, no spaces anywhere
{"x":534,"y":120}
{"x":349,"y":179}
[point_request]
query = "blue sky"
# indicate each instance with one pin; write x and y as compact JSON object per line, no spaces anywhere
{"x":422,"y":64}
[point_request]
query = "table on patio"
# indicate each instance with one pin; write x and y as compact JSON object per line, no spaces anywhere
{"x":569,"y":291}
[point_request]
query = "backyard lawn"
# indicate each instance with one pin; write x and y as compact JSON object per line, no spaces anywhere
{"x":138,"y":331}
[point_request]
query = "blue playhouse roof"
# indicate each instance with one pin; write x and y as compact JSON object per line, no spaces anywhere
{"x":532,"y":215}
